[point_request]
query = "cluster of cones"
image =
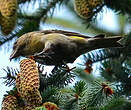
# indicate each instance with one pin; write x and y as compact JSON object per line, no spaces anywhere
{"x":27,"y":95}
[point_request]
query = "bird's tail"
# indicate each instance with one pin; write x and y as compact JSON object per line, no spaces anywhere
{"x":108,"y":42}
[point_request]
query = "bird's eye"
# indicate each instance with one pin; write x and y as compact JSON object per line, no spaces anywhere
{"x":14,"y":46}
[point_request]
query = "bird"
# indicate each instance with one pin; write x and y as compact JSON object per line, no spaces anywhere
{"x":56,"y":47}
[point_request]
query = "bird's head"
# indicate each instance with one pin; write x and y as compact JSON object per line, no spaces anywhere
{"x":20,"y":47}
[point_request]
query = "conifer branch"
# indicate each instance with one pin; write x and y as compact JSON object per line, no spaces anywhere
{"x":23,"y":1}
{"x":10,"y":76}
{"x":110,"y":71}
{"x":119,"y":6}
{"x":60,"y":78}
{"x":103,"y":54}
{"x":96,"y":95}
{"x":50,"y":94}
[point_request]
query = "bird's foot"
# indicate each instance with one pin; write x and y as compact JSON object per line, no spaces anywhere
{"x":32,"y":57}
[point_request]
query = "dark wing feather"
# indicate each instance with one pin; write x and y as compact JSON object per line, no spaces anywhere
{"x":100,"y":36}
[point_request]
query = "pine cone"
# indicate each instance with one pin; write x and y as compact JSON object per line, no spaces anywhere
{"x":29,"y":107}
{"x":19,"y":85}
{"x":30,"y":73}
{"x":94,"y":3}
{"x":82,"y":8}
{"x":7,"y":24}
{"x":32,"y":96}
{"x":85,"y":8}
{"x":27,"y":82}
{"x":9,"y":103}
{"x":8,"y":8}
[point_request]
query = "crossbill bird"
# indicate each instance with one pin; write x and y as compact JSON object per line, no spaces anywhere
{"x":55,"y":47}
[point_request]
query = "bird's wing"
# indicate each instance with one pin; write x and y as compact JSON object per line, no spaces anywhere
{"x":67,"y":33}
{"x":100,"y":36}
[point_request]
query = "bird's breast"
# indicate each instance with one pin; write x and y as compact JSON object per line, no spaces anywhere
{"x":36,"y":46}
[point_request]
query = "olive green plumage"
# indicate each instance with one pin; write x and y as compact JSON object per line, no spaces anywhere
{"x":53,"y":47}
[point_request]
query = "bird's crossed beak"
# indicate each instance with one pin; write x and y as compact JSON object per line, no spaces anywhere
{"x":14,"y":55}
